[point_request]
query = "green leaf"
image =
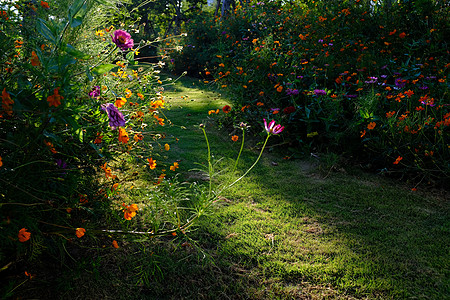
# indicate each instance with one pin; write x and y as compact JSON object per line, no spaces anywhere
{"x":76,"y":22}
{"x":45,"y":31}
{"x":75,"y":8}
{"x":75,"y":53}
{"x":99,"y":70}
{"x":89,"y":74}
{"x":130,"y":56}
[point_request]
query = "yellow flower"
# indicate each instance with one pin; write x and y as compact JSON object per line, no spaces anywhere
{"x":167,"y":147}
{"x":174,"y":167}
{"x":151,"y":163}
{"x":120,"y":102}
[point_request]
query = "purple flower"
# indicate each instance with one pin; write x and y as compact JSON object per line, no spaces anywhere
{"x":400,"y":83}
{"x":95,"y":92}
{"x":122,"y":39}
{"x":116,"y":118}
{"x":319,"y":92}
{"x":372,"y":79}
{"x":272,"y":128}
{"x":290,"y":92}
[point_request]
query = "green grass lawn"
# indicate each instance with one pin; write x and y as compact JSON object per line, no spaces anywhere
{"x":286,"y":231}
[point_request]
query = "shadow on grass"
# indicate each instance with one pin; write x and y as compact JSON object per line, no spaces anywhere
{"x":285,"y":231}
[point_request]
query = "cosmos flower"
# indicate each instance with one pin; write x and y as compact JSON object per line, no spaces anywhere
{"x":272,"y":128}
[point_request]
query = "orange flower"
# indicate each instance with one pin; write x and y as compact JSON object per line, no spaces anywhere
{"x":260,"y":104}
{"x":24,"y":235}
{"x":409,"y":93}
{"x":55,"y":99}
{"x":390,"y":114}
{"x":120,"y":102}
{"x":50,"y":146}
{"x":397,"y":160}
{"x":107,"y":171}
{"x":279,"y":89}
{"x":160,"y":178}
{"x":402,"y":35}
{"x":363,"y":133}
{"x":140,"y":96}
{"x":34,"y":59}
{"x":234,"y":138}
{"x":174,"y":167}
{"x":98,"y":139}
{"x":115,"y":245}
{"x":151,"y":163}
{"x":128,"y":93}
{"x":83,"y":198}
{"x":371,"y":125}
{"x":80,"y":232}
{"x":123,"y":136}
{"x":130,"y":211}
{"x":1,"y":163}
{"x":226,"y":109}
{"x":45,"y":5}
{"x":167,"y":147}
{"x":7,"y":102}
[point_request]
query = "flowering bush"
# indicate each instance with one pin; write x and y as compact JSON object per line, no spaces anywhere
{"x":77,"y":110}
{"x":370,"y":77}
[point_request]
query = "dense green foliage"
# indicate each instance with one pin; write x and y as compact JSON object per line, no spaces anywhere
{"x":365,"y":79}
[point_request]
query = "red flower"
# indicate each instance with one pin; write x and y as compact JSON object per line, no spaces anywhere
{"x":289,"y":110}
{"x":226,"y":109}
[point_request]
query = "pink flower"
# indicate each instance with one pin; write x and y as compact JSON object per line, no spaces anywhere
{"x":122,"y":39}
{"x":272,"y":128}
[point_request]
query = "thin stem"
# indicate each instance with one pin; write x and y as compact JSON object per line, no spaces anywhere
{"x":209,"y":162}
{"x":254,"y":164}
{"x":240,"y":151}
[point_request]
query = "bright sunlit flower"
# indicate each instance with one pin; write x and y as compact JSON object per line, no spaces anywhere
{"x":116,"y":118}
{"x":45,"y":5}
{"x":123,"y":136}
{"x":167,"y":147}
{"x":122,"y":39}
{"x":174,"y":167}
{"x":120,"y":102}
{"x":272,"y":128}
{"x":151,"y":163}
{"x":234,"y":138}
{"x":397,"y":160}
{"x":95,"y":92}
{"x":129,"y":211}
{"x":80,"y":232}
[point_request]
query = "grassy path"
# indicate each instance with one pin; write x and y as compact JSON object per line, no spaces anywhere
{"x":286,"y":232}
